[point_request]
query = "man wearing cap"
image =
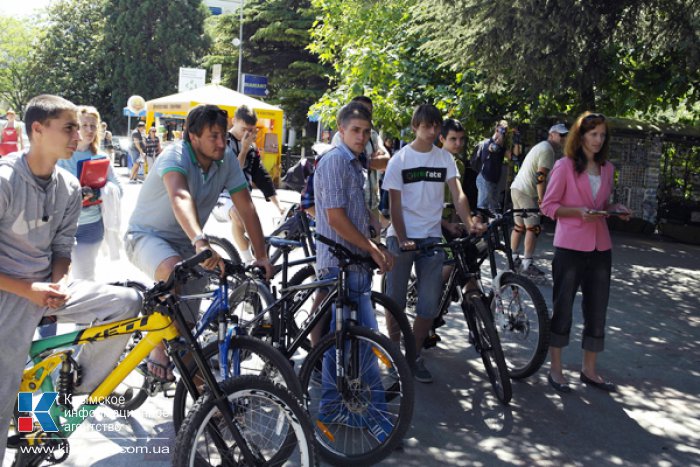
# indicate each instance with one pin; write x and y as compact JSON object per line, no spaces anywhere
{"x":138,"y":151}
{"x":527,"y":191}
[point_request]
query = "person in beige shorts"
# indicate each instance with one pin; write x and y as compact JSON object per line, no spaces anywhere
{"x":527,"y":191}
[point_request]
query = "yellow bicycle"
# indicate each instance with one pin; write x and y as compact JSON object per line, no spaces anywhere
{"x":229,"y":424}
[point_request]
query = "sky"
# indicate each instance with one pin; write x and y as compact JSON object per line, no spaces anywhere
{"x":22,"y":7}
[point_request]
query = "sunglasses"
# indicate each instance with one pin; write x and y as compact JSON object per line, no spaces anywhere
{"x":594,"y":116}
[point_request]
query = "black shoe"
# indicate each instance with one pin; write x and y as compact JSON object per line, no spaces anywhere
{"x":563,"y":388}
{"x":431,"y":341}
{"x":606,"y":386}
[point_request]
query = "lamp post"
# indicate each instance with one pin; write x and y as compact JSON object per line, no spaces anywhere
{"x":238,"y":42}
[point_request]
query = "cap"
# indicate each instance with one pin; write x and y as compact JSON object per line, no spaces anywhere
{"x":559,"y":128}
{"x":141,"y":124}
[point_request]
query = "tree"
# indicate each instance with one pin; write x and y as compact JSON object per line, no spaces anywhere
{"x":69,"y":59}
{"x":147,"y":41}
{"x":15,"y":76}
{"x":375,"y":49}
{"x":563,"y":55}
{"x":275,"y":41}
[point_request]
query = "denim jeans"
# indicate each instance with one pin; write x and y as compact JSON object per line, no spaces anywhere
{"x":360,"y":285}
{"x":428,"y":272}
{"x":488,"y":194}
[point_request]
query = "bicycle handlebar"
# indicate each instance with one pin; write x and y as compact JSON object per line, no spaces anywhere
{"x":192,"y":261}
{"x":344,"y":255}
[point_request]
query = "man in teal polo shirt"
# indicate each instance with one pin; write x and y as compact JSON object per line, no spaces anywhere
{"x":175,"y":202}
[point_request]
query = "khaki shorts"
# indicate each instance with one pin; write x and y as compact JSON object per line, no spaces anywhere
{"x":147,"y":251}
{"x":523,"y":201}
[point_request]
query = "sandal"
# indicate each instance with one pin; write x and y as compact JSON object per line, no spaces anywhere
{"x":143,"y":367}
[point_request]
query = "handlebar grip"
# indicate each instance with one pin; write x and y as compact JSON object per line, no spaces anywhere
{"x":191,"y":262}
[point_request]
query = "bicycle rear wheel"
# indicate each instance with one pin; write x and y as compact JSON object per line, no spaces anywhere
{"x":270,"y":419}
{"x":224,"y":248}
{"x":521,"y":319}
{"x":488,"y":345}
{"x":364,"y":423}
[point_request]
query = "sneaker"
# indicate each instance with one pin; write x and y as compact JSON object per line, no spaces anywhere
{"x":534,"y":271}
{"x":517,"y":264}
{"x":421,"y":373}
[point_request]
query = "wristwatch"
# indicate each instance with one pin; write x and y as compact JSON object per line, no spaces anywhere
{"x":199,"y":237}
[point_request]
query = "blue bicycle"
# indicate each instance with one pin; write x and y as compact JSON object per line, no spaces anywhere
{"x":225,"y":346}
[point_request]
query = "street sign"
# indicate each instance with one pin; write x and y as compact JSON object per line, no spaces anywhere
{"x":191,"y":78}
{"x":254,"y":85}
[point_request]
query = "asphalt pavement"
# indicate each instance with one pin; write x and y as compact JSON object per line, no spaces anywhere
{"x":652,"y":354}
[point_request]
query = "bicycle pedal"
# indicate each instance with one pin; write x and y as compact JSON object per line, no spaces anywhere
{"x":438,"y":322}
{"x":431,"y":341}
{"x":169,"y":392}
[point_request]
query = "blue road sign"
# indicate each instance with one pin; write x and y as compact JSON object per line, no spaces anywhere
{"x":254,"y":85}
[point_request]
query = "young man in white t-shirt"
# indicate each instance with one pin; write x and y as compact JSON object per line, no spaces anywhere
{"x":527,"y":191}
{"x":415,"y":179}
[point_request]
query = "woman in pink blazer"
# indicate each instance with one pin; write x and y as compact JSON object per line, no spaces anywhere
{"x":580,"y":184}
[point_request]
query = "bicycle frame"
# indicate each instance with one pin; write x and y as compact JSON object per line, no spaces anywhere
{"x":158,"y":328}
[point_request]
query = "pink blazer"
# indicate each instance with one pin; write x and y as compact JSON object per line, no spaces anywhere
{"x":569,"y":189}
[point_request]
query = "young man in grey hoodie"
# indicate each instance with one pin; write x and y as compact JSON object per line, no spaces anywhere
{"x":39,"y":208}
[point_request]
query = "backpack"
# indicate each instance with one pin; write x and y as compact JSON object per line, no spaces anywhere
{"x":296,"y":176}
{"x":476,"y":162}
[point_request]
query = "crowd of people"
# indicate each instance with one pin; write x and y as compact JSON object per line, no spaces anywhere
{"x":52,"y":219}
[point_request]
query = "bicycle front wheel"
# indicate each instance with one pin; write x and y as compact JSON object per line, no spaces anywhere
{"x":521,"y":319}
{"x":271,"y":421}
{"x":488,"y":346}
{"x":254,"y":357}
{"x":363,"y":421}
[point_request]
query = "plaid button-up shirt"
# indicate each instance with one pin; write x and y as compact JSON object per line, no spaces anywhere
{"x":338,"y":183}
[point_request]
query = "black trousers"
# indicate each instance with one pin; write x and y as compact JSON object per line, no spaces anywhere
{"x":591,"y":271}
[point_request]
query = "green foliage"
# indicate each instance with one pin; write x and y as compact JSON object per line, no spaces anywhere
{"x":15,"y":78}
{"x":148,"y":42}
{"x":68,"y":58}
{"x":376,"y":49}
{"x":559,"y":56}
{"x":275,"y":40}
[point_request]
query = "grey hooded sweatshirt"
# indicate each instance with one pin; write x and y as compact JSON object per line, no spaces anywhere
{"x":37,"y":224}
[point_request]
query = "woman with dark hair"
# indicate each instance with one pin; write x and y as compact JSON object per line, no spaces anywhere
{"x":577,"y":198}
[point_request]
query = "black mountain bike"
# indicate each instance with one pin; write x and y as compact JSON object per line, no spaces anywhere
{"x":518,"y":308}
{"x":474,"y":304}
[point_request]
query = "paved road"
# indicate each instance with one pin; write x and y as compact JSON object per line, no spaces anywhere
{"x":653,"y":354}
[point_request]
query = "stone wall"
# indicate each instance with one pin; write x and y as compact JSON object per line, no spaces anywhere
{"x":637,"y":159}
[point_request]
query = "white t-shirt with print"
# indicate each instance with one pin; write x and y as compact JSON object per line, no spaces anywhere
{"x":421,"y":178}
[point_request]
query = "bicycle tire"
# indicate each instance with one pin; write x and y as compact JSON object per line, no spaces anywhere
{"x":292,"y":427}
{"x":381,"y":303}
{"x":396,"y":380}
{"x":489,"y":347}
{"x":221,"y":245}
{"x":522,"y":321}
{"x":274,"y":365}
{"x":247,"y":298}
